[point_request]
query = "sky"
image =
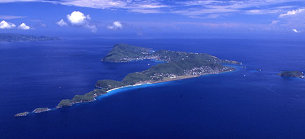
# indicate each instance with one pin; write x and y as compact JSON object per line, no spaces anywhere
{"x":154,"y":18}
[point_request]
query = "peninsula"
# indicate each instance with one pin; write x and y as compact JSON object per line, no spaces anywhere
{"x":174,"y":66}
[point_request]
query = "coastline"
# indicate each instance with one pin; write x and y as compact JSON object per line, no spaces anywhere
{"x":164,"y":81}
{"x":108,"y":92}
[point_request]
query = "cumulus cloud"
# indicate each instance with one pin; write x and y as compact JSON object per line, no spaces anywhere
{"x":78,"y":18}
{"x":61,"y":23}
{"x":292,"y":12}
{"x":23,"y":26}
{"x":115,"y":25}
{"x":6,"y":25}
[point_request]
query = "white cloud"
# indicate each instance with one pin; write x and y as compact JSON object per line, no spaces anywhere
{"x":78,"y":18}
{"x":291,"y":20}
{"x":99,"y":4}
{"x":195,"y":8}
{"x":189,"y":7}
{"x":61,"y":23}
{"x":261,"y":12}
{"x":145,"y":6}
{"x":6,"y":25}
{"x":146,"y":11}
{"x":23,"y":26}
{"x":292,"y":12}
{"x":295,"y":30}
{"x":115,"y":25}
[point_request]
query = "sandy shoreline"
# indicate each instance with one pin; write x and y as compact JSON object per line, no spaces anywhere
{"x":164,"y":80}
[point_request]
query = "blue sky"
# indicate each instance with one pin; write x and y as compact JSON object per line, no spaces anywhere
{"x":146,"y":18}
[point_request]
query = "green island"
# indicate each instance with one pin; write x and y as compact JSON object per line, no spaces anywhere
{"x":174,"y":66}
{"x":292,"y":74}
{"x":14,"y":37}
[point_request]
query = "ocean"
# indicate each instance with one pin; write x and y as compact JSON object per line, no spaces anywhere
{"x":243,"y":104}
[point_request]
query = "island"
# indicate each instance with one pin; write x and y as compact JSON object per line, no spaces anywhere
{"x":23,"y":114}
{"x":172,"y":66}
{"x":14,"y":37}
{"x":40,"y":110}
{"x":292,"y":74}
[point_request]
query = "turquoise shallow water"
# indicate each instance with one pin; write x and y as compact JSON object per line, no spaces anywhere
{"x":241,"y":104}
{"x":130,"y":88}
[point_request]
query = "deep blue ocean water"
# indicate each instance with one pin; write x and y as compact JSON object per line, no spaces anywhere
{"x":241,"y":104}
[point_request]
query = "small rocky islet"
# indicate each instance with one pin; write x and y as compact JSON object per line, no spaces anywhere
{"x":22,"y":114}
{"x":40,"y":110}
{"x":37,"y":110}
{"x":292,"y":74}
